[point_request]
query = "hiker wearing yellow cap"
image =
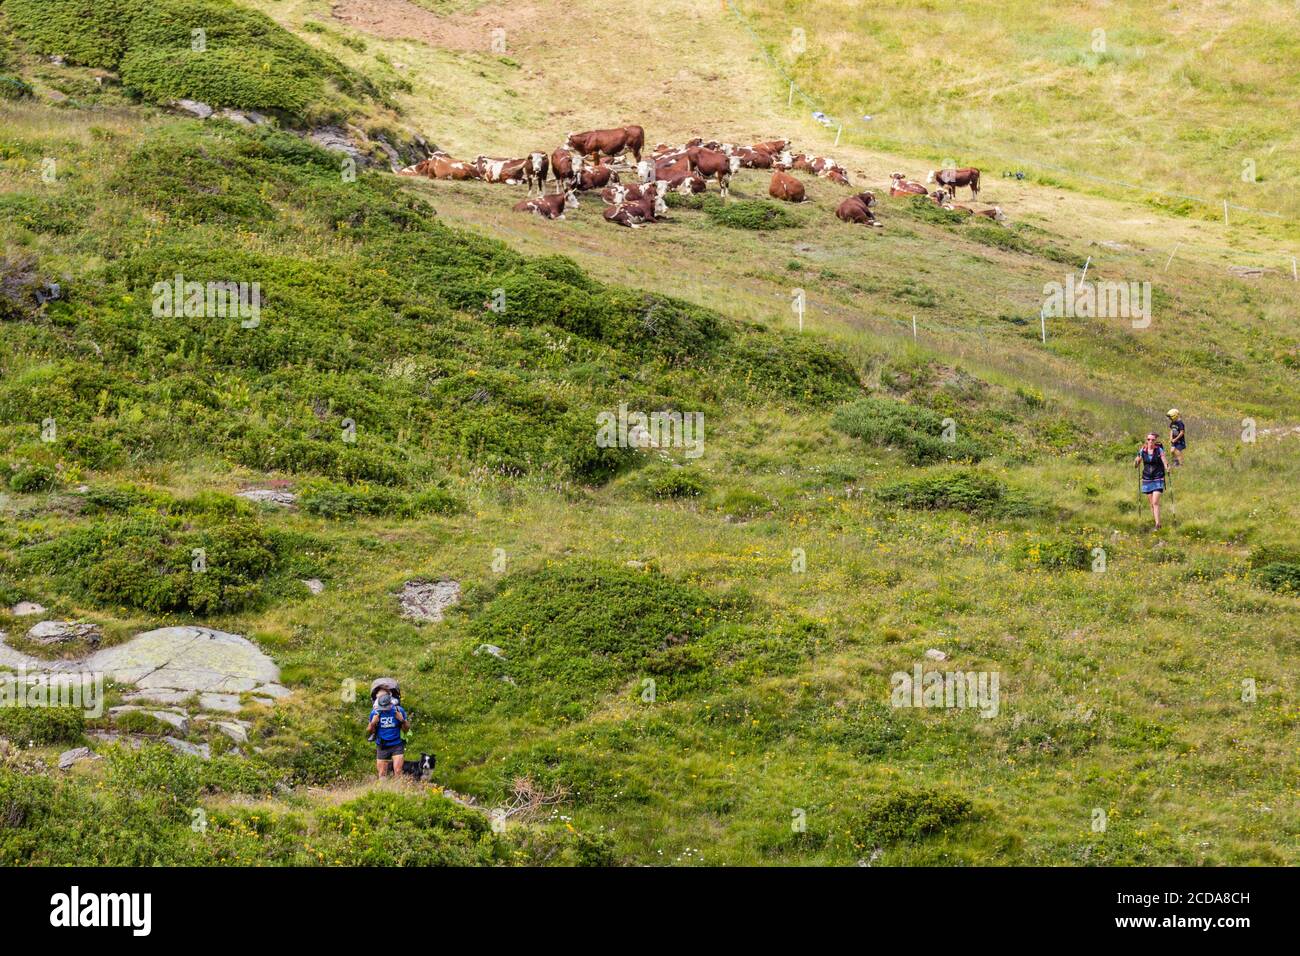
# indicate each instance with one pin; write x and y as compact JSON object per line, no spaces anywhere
{"x":1177,"y":435}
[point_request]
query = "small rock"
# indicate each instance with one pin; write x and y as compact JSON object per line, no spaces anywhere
{"x":227,"y":703}
{"x":265,"y":701}
{"x":69,"y":757}
{"x":193,"y":107}
{"x":936,"y":655}
{"x":233,"y":730}
{"x":273,"y":690}
{"x":202,"y":751}
{"x":315,"y":585}
{"x":57,"y":59}
{"x":489,"y":649}
{"x":159,"y":695}
{"x":634,"y":564}
{"x":269,"y":496}
{"x":426,"y":600}
{"x":61,"y":632}
{"x":507,"y":679}
{"x":26,"y":609}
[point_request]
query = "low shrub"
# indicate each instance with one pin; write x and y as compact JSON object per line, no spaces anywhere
{"x":918,"y":432}
{"x":969,"y":491}
{"x":669,"y":481}
{"x":330,"y":500}
{"x":41,"y":725}
{"x":30,"y":478}
{"x":908,"y":816}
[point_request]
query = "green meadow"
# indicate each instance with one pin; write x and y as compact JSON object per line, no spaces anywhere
{"x":697,"y":644}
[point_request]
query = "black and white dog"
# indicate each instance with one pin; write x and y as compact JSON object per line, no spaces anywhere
{"x":420,"y":769}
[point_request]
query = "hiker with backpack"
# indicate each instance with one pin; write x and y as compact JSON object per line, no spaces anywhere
{"x":388,"y":721}
{"x":1177,"y":435}
{"x":1151,"y":458}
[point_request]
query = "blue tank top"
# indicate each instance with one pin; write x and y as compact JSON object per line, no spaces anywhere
{"x":389,"y":731}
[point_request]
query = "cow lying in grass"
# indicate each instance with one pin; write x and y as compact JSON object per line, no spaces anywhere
{"x":442,"y":166}
{"x":549,"y":207}
{"x":786,"y":187}
{"x":636,"y":213}
{"x":857,"y":209}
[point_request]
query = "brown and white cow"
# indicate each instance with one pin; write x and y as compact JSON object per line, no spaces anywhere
{"x":535,"y":170}
{"x":900,"y":185}
{"x":635,"y":213}
{"x":711,"y":163}
{"x":995,"y":213}
{"x":857,"y":209}
{"x":618,"y":193}
{"x":565,"y":166}
{"x":441,"y":166}
{"x":494,"y":170}
{"x":772,"y":146}
{"x":549,"y":207}
{"x":950,"y":179}
{"x":608,"y":142}
{"x":596,"y":177}
{"x":786,"y":187}
{"x":838,"y":176}
{"x":752,"y":158}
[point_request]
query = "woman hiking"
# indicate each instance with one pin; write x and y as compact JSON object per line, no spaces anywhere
{"x":1177,"y":434}
{"x":1151,"y":456}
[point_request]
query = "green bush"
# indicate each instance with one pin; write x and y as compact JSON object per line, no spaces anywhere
{"x":758,"y":214}
{"x":741,"y":504}
{"x":1279,"y":577}
{"x":571,"y":631}
{"x":388,"y":829}
{"x":151,"y":562}
{"x":907,"y":817}
{"x":1054,"y":553}
{"x":29,"y":479}
{"x":249,"y":61}
{"x":669,"y":481}
{"x":916,"y":431}
{"x":969,"y":491}
{"x":42,"y":725}
{"x":15,"y":88}
{"x":330,"y":500}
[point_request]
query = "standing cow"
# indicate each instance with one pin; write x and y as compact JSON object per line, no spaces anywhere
{"x":566,"y":164}
{"x":608,"y":142}
{"x":596,"y":177}
{"x":535,"y":169}
{"x":711,"y":163}
{"x":950,"y":179}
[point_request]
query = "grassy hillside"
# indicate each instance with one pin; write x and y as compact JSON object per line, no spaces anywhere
{"x":1185,"y":98}
{"x":696,"y":652}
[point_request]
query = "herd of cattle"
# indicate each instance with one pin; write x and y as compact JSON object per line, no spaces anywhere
{"x":593,"y":160}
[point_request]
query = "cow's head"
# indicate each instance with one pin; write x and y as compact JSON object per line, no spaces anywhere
{"x":784,"y":160}
{"x":645,"y":171}
{"x":570,"y":199}
{"x":661,"y":207}
{"x":733,"y":163}
{"x":930,"y":178}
